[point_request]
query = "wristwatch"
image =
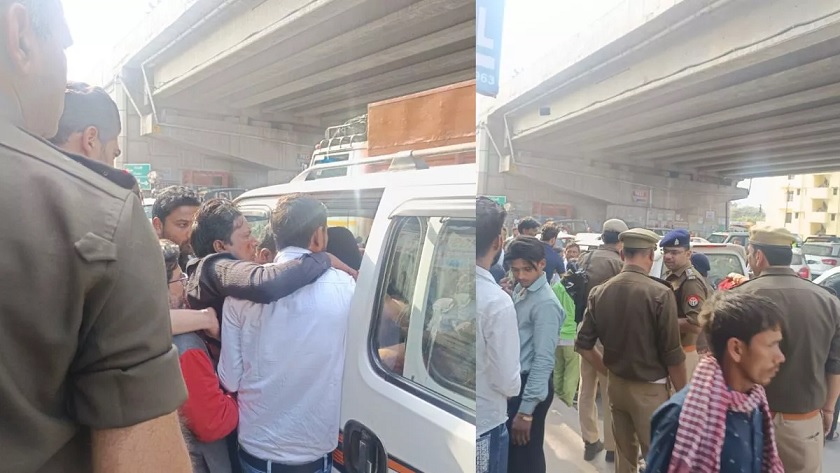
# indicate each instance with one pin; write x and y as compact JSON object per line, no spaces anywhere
{"x":526,"y":417}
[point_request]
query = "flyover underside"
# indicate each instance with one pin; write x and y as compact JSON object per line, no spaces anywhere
{"x":732,"y":90}
{"x":318,"y":61}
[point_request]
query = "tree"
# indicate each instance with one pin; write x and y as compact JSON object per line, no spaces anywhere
{"x":747,"y":212}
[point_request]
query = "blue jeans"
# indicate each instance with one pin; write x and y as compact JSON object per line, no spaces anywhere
{"x":491,"y":451}
{"x":327,"y":468}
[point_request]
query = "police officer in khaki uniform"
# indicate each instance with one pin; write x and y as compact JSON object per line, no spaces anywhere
{"x":600,"y":265}
{"x":803,"y":394}
{"x":635,"y":317}
{"x":690,"y":289}
{"x":90,"y":379}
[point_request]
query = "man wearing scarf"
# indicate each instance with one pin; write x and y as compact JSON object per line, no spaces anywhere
{"x":721,"y":422}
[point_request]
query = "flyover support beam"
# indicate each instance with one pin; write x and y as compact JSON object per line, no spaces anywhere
{"x":236,"y":138}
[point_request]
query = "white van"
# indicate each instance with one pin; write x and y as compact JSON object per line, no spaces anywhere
{"x":408,"y":399}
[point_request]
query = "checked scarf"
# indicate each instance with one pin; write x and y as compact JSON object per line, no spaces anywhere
{"x":702,"y":424}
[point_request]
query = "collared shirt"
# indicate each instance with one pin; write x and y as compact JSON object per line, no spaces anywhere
{"x":540,"y":316}
{"x":85,"y":332}
{"x":496,"y":353}
{"x":743,"y":443}
{"x":635,"y":317}
{"x":286,"y":361}
{"x":810,"y":338}
{"x":553,"y":263}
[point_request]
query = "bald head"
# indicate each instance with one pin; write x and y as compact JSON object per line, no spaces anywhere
{"x":33,"y":67}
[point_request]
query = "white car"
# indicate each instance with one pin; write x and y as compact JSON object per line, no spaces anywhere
{"x":148,"y":205}
{"x":799,"y":264}
{"x":830,"y":279}
{"x":588,"y":241}
{"x":821,"y":253}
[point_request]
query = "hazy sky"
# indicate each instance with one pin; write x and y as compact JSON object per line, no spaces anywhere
{"x":97,"y":26}
{"x":535,"y":28}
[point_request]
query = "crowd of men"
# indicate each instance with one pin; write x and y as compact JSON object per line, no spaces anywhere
{"x":741,"y":380}
{"x":91,"y":379}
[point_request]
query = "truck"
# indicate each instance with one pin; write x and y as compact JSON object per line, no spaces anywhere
{"x":431,"y":128}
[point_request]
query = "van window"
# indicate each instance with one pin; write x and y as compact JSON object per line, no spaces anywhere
{"x":425,"y":330}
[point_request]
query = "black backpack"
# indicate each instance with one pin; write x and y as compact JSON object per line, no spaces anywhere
{"x":575,"y":280}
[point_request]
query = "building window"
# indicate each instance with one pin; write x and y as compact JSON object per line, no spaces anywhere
{"x":791,"y":177}
{"x":835,"y":191}
{"x":833,"y":217}
{"x":788,"y":218}
{"x":790,"y":196}
{"x":796,"y":215}
{"x":798,"y":191}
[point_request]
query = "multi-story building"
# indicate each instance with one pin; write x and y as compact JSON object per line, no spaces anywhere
{"x":807,"y":204}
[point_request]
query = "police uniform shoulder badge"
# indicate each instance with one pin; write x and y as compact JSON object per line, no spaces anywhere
{"x":690,"y":274}
{"x":693,"y":301}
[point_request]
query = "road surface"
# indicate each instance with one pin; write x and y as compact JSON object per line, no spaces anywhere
{"x":564,"y":447}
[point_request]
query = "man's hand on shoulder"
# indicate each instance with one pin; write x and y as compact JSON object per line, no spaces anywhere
{"x":341,"y":266}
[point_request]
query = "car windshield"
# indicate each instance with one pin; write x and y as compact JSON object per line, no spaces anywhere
{"x":716,"y":238}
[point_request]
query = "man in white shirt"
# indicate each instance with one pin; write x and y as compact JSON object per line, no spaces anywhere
{"x":497,"y":344}
{"x":286,"y":359}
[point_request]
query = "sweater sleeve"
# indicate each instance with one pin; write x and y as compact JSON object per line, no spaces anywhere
{"x":265,"y":284}
{"x":210,"y":413}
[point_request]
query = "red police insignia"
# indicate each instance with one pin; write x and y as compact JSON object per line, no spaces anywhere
{"x":693,"y":301}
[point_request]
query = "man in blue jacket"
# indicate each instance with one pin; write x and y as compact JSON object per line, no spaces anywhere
{"x":553,"y":262}
{"x":721,"y":422}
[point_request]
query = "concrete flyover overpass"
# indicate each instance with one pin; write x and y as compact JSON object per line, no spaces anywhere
{"x":247,"y":87}
{"x":668,"y":104}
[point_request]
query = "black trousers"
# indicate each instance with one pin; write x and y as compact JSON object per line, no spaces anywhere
{"x":529,"y":458}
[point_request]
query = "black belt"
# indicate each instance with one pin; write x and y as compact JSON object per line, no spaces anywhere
{"x":264,"y":465}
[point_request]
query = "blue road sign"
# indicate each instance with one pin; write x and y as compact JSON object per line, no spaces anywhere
{"x":490,"y":16}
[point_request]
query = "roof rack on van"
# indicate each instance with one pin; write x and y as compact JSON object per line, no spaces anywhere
{"x":411,"y":159}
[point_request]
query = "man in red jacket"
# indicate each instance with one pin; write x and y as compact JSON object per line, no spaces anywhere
{"x":209,"y":414}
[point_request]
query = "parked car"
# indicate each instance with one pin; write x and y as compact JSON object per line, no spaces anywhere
{"x":588,"y":241}
{"x":737,"y":238}
{"x":724,"y":259}
{"x":822,"y":253}
{"x":830,"y":279}
{"x":800,"y":265}
{"x":148,"y":204}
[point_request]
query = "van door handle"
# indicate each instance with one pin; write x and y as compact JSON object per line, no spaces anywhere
{"x":363,"y":451}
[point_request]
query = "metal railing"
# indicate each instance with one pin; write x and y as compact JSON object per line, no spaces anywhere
{"x":412,"y":159}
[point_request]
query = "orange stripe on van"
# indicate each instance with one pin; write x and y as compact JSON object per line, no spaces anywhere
{"x":399,"y":468}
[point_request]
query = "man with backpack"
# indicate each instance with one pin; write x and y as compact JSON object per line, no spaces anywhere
{"x":597,"y":267}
